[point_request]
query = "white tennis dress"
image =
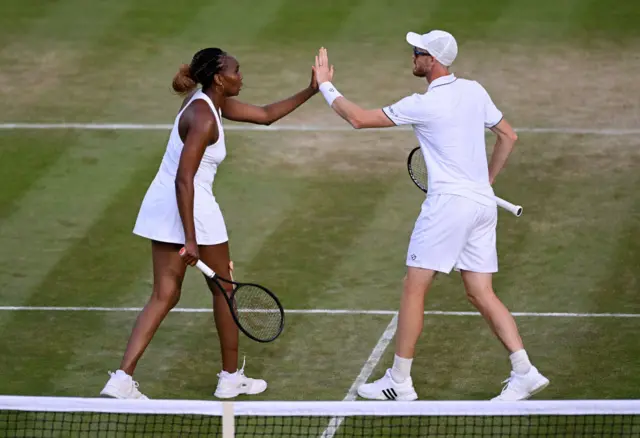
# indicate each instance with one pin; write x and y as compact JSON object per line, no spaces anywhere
{"x":159,"y":218}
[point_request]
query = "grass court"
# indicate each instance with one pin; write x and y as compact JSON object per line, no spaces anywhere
{"x":322,"y":217}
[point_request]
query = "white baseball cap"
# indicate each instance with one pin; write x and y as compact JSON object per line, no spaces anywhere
{"x":440,"y":44}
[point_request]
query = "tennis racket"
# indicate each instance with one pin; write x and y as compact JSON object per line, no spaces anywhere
{"x":255,"y":309}
{"x":418,"y":173}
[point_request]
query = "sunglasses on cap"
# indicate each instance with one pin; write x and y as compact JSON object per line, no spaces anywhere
{"x":417,"y":52}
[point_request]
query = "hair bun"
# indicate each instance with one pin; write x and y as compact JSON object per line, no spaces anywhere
{"x":183,"y":81}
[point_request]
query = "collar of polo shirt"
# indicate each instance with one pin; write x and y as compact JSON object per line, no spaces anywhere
{"x":443,"y":80}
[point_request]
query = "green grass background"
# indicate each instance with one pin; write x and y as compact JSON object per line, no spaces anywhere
{"x":323,"y":233}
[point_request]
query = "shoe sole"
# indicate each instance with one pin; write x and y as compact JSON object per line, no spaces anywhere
{"x":533,"y":392}
{"x":105,"y":393}
{"x":412,"y":397}
{"x":539,"y":388}
{"x":215,"y":394}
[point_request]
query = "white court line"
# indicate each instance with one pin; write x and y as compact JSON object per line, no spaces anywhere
{"x":322,"y":311}
{"x":365,"y":373}
{"x":285,"y":127}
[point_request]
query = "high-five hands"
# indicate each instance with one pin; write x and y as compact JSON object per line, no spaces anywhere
{"x":322,"y":69}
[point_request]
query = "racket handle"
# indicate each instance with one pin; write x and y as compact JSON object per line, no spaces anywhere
{"x":516,"y":210}
{"x":201,"y":265}
{"x":205,"y":269}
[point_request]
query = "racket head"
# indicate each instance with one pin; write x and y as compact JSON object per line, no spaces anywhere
{"x":256,"y":310}
{"x":417,"y":169}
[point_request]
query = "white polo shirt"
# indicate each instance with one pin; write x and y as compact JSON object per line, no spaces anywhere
{"x":449,"y":121}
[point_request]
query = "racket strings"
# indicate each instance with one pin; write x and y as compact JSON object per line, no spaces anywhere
{"x":257,"y":312}
{"x":418,"y":169}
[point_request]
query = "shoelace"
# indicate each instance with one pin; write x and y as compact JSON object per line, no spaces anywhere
{"x":240,"y":372}
{"x":506,"y":383}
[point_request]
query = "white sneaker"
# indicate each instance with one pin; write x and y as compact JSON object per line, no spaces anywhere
{"x":388,"y":389}
{"x":121,"y":385}
{"x":522,"y":386}
{"x":232,"y":385}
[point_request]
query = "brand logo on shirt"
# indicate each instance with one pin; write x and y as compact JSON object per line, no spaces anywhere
{"x":392,"y":111}
{"x":413,"y":257}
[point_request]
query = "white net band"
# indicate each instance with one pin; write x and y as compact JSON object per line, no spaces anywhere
{"x":322,"y":409}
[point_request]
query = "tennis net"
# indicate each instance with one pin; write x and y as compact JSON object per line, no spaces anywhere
{"x":94,"y":417}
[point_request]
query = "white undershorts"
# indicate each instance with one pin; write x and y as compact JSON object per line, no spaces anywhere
{"x":454,"y":232}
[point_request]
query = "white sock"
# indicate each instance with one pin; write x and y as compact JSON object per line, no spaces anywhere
{"x":121,"y":374}
{"x":227,"y":374}
{"x":401,"y":369}
{"x":520,"y":362}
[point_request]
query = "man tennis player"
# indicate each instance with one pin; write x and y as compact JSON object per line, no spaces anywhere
{"x":456,"y":227}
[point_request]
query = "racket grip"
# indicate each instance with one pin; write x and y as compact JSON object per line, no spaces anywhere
{"x":516,"y":210}
{"x":201,"y":265}
{"x":205,"y":269}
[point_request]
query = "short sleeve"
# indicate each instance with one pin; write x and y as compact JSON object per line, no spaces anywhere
{"x":410,"y":110}
{"x":492,"y":115}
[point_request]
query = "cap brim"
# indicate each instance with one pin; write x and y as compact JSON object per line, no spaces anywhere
{"x":415,"y":39}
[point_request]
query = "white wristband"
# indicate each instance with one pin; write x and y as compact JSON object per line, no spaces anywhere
{"x":329,"y":92}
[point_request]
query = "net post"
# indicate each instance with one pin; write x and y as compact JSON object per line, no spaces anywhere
{"x":228,"y":420}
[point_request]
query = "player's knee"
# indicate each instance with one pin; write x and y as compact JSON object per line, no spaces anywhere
{"x":480,"y":295}
{"x":413,"y":287}
{"x":167,"y":294}
{"x":418,"y":281}
{"x":471,"y":297}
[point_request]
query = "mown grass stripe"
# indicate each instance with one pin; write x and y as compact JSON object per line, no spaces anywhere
{"x":317,"y":233}
{"x":617,"y":21}
{"x":465,"y":20}
{"x":334,"y":312}
{"x":316,"y":21}
{"x":52,"y":27}
{"x":372,"y":265}
{"x":523,"y":21}
{"x":61,"y":206}
{"x":22,"y":164}
{"x":622,"y":282}
{"x":127,"y":44}
{"x":44,"y":59}
{"x":231,"y":26}
{"x":101,"y":262}
{"x":375,"y":23}
{"x":18,"y":18}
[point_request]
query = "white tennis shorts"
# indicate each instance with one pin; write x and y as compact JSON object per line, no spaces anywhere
{"x":454,"y":232}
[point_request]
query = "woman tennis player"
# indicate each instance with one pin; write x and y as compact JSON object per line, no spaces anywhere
{"x":179,"y":209}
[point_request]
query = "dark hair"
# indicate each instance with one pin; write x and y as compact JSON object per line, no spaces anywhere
{"x":204,"y":66}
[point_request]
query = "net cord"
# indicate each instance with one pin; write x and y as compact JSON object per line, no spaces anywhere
{"x":321,"y":409}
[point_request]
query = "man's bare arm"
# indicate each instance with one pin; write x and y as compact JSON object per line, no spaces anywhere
{"x":507,"y":138}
